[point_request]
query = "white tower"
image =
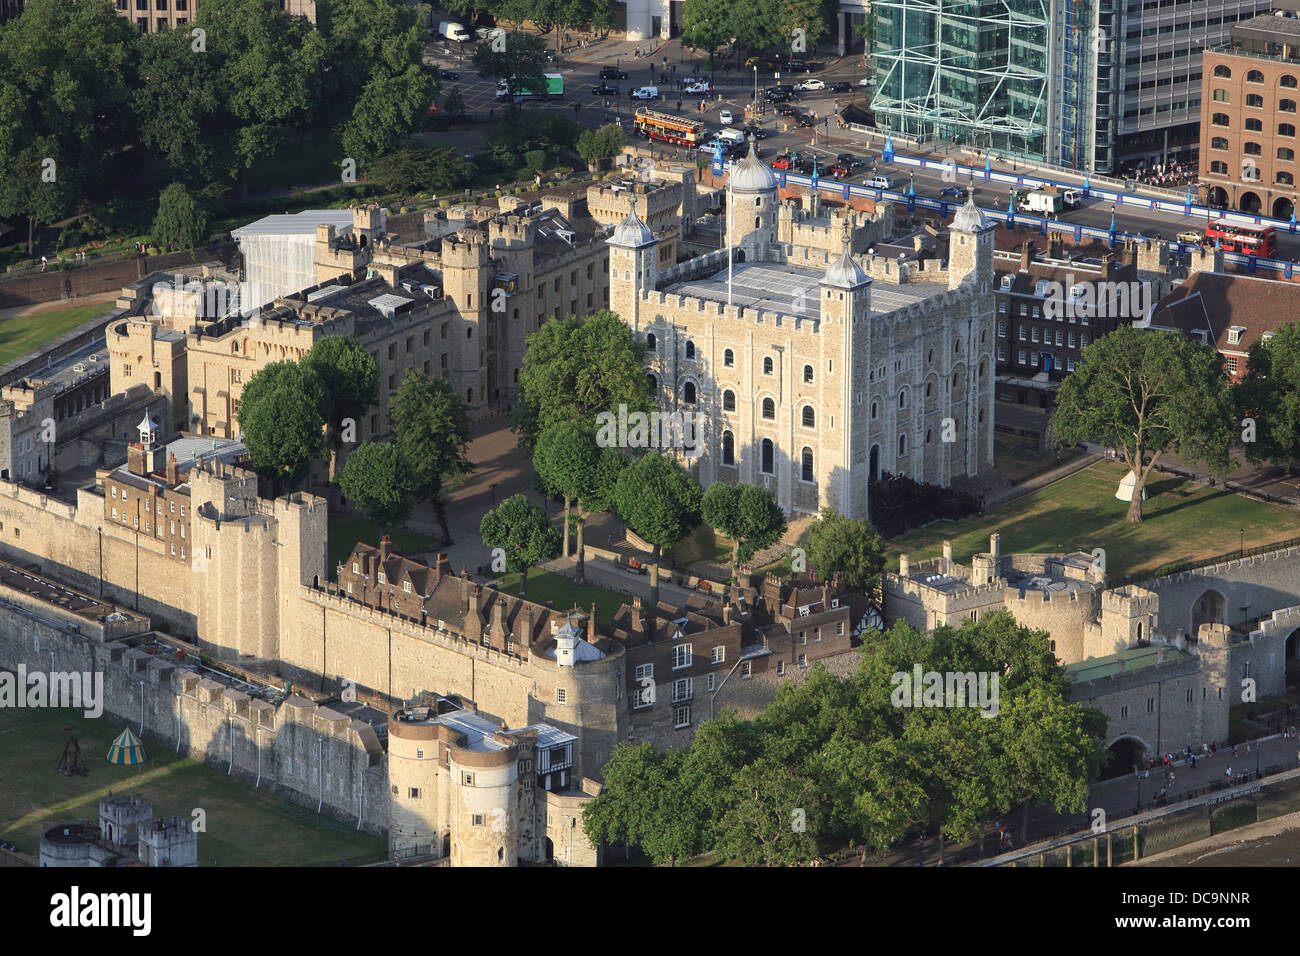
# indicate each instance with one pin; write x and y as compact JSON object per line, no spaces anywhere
{"x":752,"y":218}
{"x":631,"y":266}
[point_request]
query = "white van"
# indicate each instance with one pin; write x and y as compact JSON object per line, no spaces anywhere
{"x":646,"y":93}
{"x":879,"y":182}
{"x":731,"y":137}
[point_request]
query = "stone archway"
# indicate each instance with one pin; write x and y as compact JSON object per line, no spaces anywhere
{"x":550,"y":850}
{"x":1293,"y":647}
{"x":1217,"y":197}
{"x":873,"y":472}
{"x":1249,"y":203}
{"x":1282,"y":208}
{"x":1209,"y":608}
{"x":1126,"y":752}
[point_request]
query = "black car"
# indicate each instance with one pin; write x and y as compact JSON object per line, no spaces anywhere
{"x":786,"y":88}
{"x":604,"y":89}
{"x":448,"y":75}
{"x":612,"y":73}
{"x":839,"y":86}
{"x":798,"y":66}
{"x":757,"y":132}
{"x":849,"y":160}
{"x":776,"y":96}
{"x":806,"y":166}
{"x":804,"y":120}
{"x":785,"y":109}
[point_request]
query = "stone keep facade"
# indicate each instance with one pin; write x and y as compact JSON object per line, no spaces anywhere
{"x":806,"y":401}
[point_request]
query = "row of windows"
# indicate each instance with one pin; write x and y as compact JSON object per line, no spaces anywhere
{"x":1220,"y":168}
{"x":1255,"y":76}
{"x":1032,"y":359}
{"x":1253,"y":126}
{"x":728,"y":357}
{"x":158,"y":5}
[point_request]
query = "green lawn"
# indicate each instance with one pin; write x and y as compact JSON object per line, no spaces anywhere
{"x":1183,"y":521}
{"x":245,"y":827}
{"x":563,"y":594}
{"x":23,"y":333}
{"x":1017,"y":458}
{"x":702,"y":544}
{"x":346,"y":530}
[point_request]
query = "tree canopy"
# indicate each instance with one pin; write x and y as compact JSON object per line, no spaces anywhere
{"x":1269,"y":393}
{"x":280,"y":419}
{"x":431,"y":428}
{"x":844,"y":760}
{"x":521,"y":530}
{"x":847,"y":545}
{"x":380,"y":483}
{"x":1146,"y":393}
{"x":746,"y":514}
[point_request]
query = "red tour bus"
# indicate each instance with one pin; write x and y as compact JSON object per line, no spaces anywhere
{"x":1250,"y":240}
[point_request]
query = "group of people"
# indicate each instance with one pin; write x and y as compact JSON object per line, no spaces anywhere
{"x":1163,"y":174}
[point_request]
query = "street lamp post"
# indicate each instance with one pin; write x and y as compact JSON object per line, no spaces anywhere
{"x":1137,"y":775}
{"x":1241,"y":543}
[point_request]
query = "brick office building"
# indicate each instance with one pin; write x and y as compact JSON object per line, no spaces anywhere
{"x":1249,"y":117}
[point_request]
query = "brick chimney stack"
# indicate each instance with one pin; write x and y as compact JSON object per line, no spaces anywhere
{"x":173,"y":471}
{"x":1026,"y":255}
{"x":385,"y":548}
{"x":1055,"y":247}
{"x":441,"y":567}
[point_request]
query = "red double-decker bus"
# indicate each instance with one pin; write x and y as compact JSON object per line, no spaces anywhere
{"x":1251,"y":240}
{"x":668,"y":129}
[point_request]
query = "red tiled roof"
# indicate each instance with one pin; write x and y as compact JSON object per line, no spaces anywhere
{"x":1215,"y":301}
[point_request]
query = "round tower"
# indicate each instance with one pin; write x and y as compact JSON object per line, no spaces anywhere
{"x":416,"y":806}
{"x":632,"y":269}
{"x":754,"y":208}
{"x":484,"y":825}
{"x":845,"y":306}
{"x":970,"y":245}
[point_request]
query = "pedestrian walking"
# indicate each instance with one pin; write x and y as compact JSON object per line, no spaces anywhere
{"x":1228,"y":773}
{"x":1146,"y":774}
{"x":44,"y":261}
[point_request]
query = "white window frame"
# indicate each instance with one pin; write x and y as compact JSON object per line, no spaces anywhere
{"x":644,"y":671}
{"x":683,"y":689}
{"x":718,"y":655}
{"x":746,"y":669}
{"x":683,"y":656}
{"x":561,"y":695}
{"x":681,"y":716}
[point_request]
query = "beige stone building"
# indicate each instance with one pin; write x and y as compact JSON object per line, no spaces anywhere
{"x":457,"y":306}
{"x":154,"y":16}
{"x":815,"y":371}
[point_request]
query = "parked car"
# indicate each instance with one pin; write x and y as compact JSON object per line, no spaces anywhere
{"x":840,"y":86}
{"x":951,"y":192}
{"x":725,"y":118}
{"x":798,"y":66}
{"x":605,"y":89}
{"x":448,"y":75}
{"x":612,"y":73}
{"x":785,"y":109}
{"x":810,"y":86}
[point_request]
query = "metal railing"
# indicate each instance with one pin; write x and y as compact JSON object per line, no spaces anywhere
{"x":1181,"y":566}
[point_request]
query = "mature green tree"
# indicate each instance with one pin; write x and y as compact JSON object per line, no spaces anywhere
{"x":376,"y":479}
{"x":181,"y":222}
{"x":67,"y":70}
{"x":431,"y":428}
{"x":706,"y":25}
{"x":522,"y":64}
{"x":1269,"y":393}
{"x":576,"y":368}
{"x":192,"y":132}
{"x":453,"y":104}
{"x":388,"y":110}
{"x":597,"y":144}
{"x":1147,"y":393}
{"x":847,"y":545}
{"x":422,"y":167}
{"x":746,"y":514}
{"x":758,"y":26}
{"x":565,"y":460}
{"x":520,"y":529}
{"x":280,"y":420}
{"x":660,"y":501}
{"x":270,"y":66}
{"x":349,"y":378}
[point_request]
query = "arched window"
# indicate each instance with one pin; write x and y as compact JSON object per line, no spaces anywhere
{"x":902,"y":399}
{"x":769,"y":409}
{"x":1222,"y":96}
{"x":654,"y":382}
{"x":728,"y":448}
{"x":927,"y":436}
{"x":651,"y":343}
{"x":1285,"y":179}
{"x":1285,"y":153}
{"x":1219,"y":119}
{"x":929,"y":356}
{"x":728,"y":401}
{"x":808,"y":374}
{"x":729,"y":358}
{"x":954,"y":379}
{"x":1252,"y":149}
{"x":929,"y":389}
{"x":688,"y":393}
{"x":1285,"y":129}
{"x":1287,"y":80}
{"x":767,"y":365}
{"x":234,"y":347}
{"x":806,"y":465}
{"x":809,"y":417}
{"x":758,"y":223}
{"x":1255,"y":100}
{"x":1218,"y":166}
{"x":1255,"y":76}
{"x":875,"y":411}
{"x":1223,"y":71}
{"x":1254,"y":125}
{"x":690,"y":350}
{"x":956,"y":347}
{"x":1286,"y":106}
{"x":1218,"y":142}
{"x":767,"y":459}
{"x":902,"y":445}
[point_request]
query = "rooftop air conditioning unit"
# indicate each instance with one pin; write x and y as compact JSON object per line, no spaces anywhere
{"x":568,"y":235}
{"x":432,"y":291}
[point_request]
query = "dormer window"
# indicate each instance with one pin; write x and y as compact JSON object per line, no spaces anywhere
{"x":1234,"y":334}
{"x":1006,"y":282}
{"x":406,"y":586}
{"x":1040,"y":287}
{"x":383,"y":578}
